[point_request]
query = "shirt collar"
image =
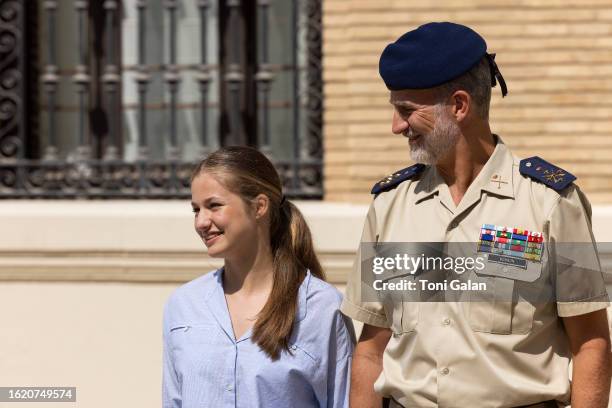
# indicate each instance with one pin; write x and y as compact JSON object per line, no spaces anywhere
{"x":430,"y":184}
{"x":495,"y":177}
{"x":497,"y":174}
{"x":217,"y":301}
{"x":303,"y":297}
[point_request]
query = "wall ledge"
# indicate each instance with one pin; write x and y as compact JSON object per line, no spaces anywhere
{"x":153,"y":241}
{"x":141,"y":241}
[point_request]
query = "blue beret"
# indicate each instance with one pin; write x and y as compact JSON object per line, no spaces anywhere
{"x":433,"y":54}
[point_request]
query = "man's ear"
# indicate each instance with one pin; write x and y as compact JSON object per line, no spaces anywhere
{"x":461,"y":105}
{"x":261,"y":205}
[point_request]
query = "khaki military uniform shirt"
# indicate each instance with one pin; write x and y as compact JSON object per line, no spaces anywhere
{"x":485,"y":353}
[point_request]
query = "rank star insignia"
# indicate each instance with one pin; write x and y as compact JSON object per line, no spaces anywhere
{"x":395,"y":179}
{"x":554,"y":176}
{"x":389,"y":178}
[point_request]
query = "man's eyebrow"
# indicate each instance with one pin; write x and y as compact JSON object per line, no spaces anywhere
{"x":402,"y":103}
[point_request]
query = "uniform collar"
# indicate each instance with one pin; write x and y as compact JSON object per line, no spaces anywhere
{"x":497,"y":174}
{"x":430,"y":184}
{"x":495,"y":177}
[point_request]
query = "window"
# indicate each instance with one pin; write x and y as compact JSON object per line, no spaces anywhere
{"x":120,"y":98}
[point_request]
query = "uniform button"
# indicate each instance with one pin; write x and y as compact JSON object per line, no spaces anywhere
{"x":444,"y":371}
{"x":446,"y":321}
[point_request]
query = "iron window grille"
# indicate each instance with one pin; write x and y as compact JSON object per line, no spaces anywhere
{"x":104,"y":144}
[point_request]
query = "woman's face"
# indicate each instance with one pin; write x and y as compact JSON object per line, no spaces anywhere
{"x":222,"y":219}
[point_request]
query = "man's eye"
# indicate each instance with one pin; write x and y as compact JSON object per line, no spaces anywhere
{"x":195,"y":210}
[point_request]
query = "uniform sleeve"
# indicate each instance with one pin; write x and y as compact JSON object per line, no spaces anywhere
{"x":171,"y":390}
{"x":354,"y":304}
{"x":578,"y":278}
{"x":339,"y":367}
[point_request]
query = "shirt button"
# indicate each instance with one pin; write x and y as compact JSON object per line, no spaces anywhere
{"x":446,"y":321}
{"x":444,"y":371}
{"x":229,"y":387}
{"x":293,"y":348}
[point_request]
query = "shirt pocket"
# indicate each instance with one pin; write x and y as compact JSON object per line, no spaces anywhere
{"x":183,"y":335}
{"x":196,"y":349}
{"x":507,"y":305}
{"x":402,"y":305}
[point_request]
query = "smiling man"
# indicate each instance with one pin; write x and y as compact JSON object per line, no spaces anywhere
{"x":511,"y":345}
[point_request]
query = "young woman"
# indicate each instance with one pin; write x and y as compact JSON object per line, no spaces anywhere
{"x":265,"y":329}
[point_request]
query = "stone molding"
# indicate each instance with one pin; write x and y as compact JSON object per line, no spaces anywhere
{"x":153,"y":241}
{"x":141,"y":241}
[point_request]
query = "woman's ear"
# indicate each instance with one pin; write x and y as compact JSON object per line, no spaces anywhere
{"x":262,"y":205}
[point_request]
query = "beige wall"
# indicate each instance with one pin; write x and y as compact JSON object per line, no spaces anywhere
{"x":103,"y":338}
{"x":556,"y":57}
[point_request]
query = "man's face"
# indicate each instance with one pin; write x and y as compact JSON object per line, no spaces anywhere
{"x":431,"y":130}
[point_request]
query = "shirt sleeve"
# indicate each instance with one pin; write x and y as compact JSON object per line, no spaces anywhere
{"x":339,"y":367}
{"x":354,"y":304}
{"x":171,"y":390}
{"x":577,"y":274}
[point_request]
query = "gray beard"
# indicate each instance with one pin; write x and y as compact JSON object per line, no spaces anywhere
{"x":439,"y":142}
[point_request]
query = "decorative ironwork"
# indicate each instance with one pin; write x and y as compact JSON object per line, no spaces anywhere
{"x":111,"y":176}
{"x":12,"y":52}
{"x":203,"y":76}
{"x":50,"y":80}
{"x":172,"y":79}
{"x":111,"y":79}
{"x":311,"y":175}
{"x":303,"y":173}
{"x":82,"y":79}
{"x":264,"y":78}
{"x":234,"y":75}
{"x":142,"y":80}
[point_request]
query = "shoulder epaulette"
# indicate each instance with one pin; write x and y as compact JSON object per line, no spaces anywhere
{"x":546,"y":173}
{"x":395,"y":179}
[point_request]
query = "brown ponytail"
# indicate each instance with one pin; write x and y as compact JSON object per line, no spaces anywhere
{"x":248,"y":173}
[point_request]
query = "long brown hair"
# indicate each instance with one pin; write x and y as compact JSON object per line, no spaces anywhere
{"x":248,"y":173}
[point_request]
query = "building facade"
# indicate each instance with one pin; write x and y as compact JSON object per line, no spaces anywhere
{"x":108,"y":104}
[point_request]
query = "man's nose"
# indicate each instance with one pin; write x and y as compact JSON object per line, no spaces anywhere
{"x":399,"y":125}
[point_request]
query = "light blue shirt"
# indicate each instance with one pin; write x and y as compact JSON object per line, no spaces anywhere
{"x":204,"y":366}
